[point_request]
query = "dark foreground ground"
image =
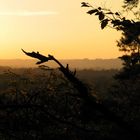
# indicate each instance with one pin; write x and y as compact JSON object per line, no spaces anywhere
{"x":38,"y":104}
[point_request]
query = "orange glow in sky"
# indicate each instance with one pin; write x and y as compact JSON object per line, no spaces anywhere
{"x":58,"y":27}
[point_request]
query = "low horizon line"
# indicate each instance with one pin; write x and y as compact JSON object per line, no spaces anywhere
{"x":58,"y":58}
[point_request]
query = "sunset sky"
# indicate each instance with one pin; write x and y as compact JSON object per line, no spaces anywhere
{"x":59,"y":27}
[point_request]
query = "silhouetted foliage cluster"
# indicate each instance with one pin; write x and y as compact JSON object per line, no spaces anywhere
{"x":130,"y":4}
{"x":39,"y":106}
{"x":130,"y":28}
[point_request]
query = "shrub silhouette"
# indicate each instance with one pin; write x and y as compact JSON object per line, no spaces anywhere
{"x":50,"y":106}
{"x":90,"y":102}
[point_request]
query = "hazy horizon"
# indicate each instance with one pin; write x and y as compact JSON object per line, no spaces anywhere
{"x":73,"y":63}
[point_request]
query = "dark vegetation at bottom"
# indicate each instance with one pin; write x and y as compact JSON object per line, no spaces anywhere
{"x":38,"y":104}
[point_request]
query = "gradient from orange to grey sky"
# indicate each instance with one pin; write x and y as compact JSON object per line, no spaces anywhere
{"x":59,"y":27}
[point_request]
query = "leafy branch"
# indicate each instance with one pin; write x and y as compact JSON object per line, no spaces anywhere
{"x":130,"y":40}
{"x":107,"y":17}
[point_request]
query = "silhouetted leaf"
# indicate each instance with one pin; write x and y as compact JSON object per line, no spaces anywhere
{"x":123,"y":18}
{"x":115,"y":22}
{"x":92,"y":11}
{"x":41,"y":57}
{"x":110,"y":13}
{"x":117,"y":14}
{"x":99,"y":8}
{"x":101,"y":15}
{"x":84,"y":4}
{"x":104,"y":23}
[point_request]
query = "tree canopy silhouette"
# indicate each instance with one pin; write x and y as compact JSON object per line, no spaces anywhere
{"x":129,"y":43}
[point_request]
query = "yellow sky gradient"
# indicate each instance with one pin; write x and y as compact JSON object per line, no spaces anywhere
{"x":59,"y":27}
